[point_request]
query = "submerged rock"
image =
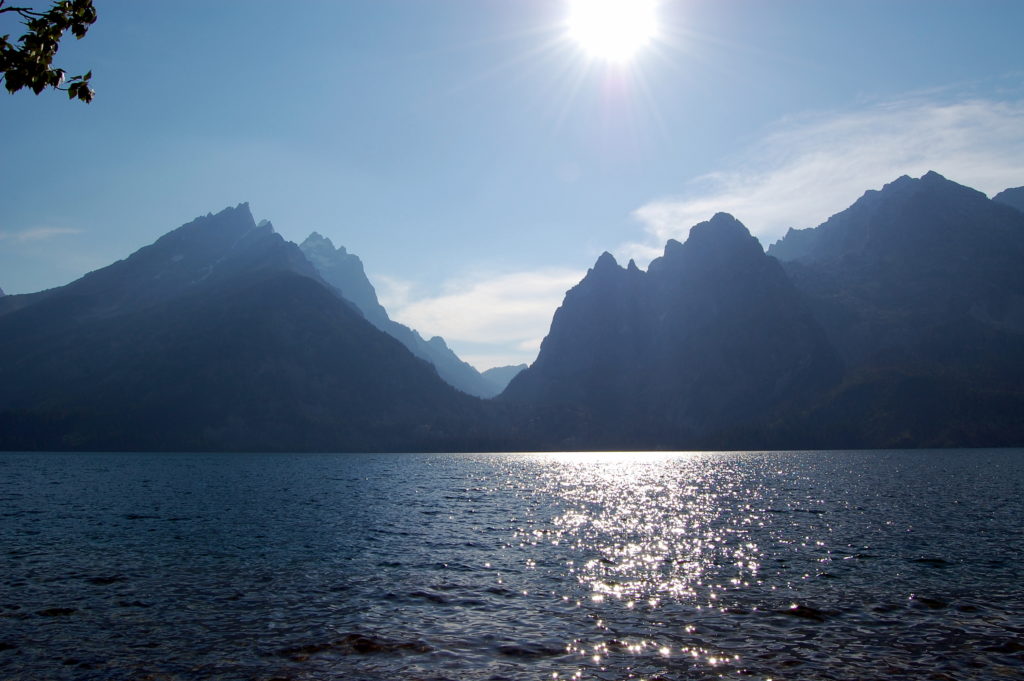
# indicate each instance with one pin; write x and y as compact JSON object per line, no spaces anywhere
{"x":930,"y":603}
{"x":56,"y":612}
{"x":806,"y":612}
{"x":353,"y":644}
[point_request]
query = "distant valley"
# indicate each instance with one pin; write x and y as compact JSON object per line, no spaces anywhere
{"x":898,"y":322}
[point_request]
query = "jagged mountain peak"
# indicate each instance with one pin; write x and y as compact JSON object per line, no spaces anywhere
{"x":672,"y":247}
{"x":437,"y":341}
{"x":720,"y":221}
{"x":876,"y":222}
{"x":319,"y":243}
{"x":605,"y":262}
{"x":235,"y":221}
{"x":721,"y":242}
{"x":713,"y":336}
{"x":344,"y":271}
{"x":605,"y":272}
{"x":606,"y":269}
{"x":930,"y":182}
{"x":722,"y":231}
{"x":905,"y":182}
{"x":241,"y":208}
{"x":907,"y":187}
{"x":215,"y":240}
{"x":208,"y":248}
{"x":931,"y":186}
{"x":211,"y":240}
{"x":193,"y":257}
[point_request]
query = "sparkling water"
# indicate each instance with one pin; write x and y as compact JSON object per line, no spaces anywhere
{"x":754,"y":565}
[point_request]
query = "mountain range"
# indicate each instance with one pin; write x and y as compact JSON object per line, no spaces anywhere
{"x":899,"y":322}
{"x":219,"y":336}
{"x":920,"y":287}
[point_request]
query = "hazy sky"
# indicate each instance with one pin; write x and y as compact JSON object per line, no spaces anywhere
{"x":476,"y":157}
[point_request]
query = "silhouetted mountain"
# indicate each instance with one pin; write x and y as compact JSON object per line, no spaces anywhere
{"x":916,"y":254}
{"x":898,"y":322}
{"x":499,"y":377}
{"x":920,"y":286}
{"x":344,"y":271}
{"x":706,"y":347}
{"x":1011,"y":197}
{"x":219,"y":336}
{"x":202,"y":252}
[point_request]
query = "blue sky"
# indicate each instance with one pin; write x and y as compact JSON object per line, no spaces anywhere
{"x":475,"y":157}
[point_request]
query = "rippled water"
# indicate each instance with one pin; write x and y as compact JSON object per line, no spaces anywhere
{"x":817,"y":565}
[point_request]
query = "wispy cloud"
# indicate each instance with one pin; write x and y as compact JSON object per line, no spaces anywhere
{"x":36,"y":234}
{"x":814,"y":166}
{"x":487,"y":320}
{"x":392,"y":293}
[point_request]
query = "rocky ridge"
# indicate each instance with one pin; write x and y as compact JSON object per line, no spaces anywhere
{"x":345,"y":272}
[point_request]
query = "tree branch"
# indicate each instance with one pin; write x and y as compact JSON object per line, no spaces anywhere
{"x":29,"y":64}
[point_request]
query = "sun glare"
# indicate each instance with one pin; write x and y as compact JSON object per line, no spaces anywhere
{"x":612,"y":30}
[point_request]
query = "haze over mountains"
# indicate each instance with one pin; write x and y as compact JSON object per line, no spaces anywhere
{"x":898,"y":322}
{"x":219,"y":336}
{"x":344,"y":271}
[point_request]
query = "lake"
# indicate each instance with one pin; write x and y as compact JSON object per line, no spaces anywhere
{"x":752,"y":565}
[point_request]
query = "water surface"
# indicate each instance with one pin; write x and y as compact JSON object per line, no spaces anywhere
{"x":813,"y":565}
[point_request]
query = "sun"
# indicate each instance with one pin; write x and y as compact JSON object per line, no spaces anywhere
{"x":612,"y":30}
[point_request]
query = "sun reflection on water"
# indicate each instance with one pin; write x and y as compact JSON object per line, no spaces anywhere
{"x":593,"y":567}
{"x":652,"y":525}
{"x":649,"y":532}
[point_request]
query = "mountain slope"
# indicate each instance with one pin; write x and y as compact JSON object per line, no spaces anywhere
{"x":917,"y":254}
{"x":344,"y":271}
{"x":710,"y":342}
{"x":204,"y":251}
{"x":499,"y":377}
{"x":219,"y":336}
{"x":1013,"y":197}
{"x":921,"y":288}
